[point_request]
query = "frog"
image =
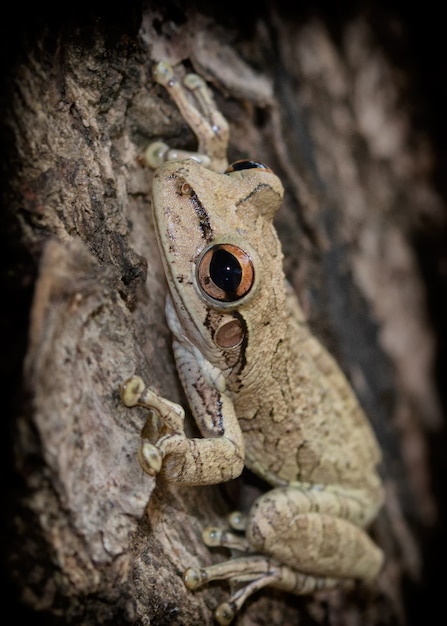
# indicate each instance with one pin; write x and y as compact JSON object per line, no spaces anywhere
{"x":263,"y":390}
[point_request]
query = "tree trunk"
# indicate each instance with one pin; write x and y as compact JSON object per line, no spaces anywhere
{"x":324,"y":100}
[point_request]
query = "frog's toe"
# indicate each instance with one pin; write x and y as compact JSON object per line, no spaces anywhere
{"x":225,"y":613}
{"x":212,"y":537}
{"x":218,"y":537}
{"x":155,"y":154}
{"x":194,"y":577}
{"x":162,"y":73}
{"x":150,"y":457}
{"x":193,"y":82}
{"x":131,"y":391}
{"x":238,"y":521}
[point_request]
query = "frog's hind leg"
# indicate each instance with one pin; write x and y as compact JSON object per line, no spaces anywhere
{"x":249,"y":574}
{"x":314,"y":530}
{"x":296,"y":539}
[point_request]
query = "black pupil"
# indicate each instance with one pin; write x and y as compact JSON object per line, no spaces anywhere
{"x":225,"y":271}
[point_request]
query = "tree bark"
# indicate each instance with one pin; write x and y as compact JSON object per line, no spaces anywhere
{"x":90,"y":539}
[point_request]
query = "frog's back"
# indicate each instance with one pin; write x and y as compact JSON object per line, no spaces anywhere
{"x":305,"y":423}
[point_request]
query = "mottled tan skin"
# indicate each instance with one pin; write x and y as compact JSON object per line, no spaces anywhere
{"x":277,"y":402}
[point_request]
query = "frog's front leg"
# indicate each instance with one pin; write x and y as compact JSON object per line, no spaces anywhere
{"x":216,"y":458}
{"x":205,"y":119}
{"x":302,"y":539}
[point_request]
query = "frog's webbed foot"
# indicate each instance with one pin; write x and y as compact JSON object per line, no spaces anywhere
{"x":249,"y":573}
{"x":202,"y":115}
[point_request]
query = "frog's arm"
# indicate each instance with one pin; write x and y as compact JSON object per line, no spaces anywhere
{"x":215,"y":458}
{"x":202,"y":115}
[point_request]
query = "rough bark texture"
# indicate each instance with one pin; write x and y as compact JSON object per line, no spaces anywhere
{"x":325,"y":101}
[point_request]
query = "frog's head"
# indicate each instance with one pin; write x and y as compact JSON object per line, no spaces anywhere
{"x":220,"y":252}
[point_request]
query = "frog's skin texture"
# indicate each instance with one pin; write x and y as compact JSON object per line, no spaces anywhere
{"x":263,"y":391}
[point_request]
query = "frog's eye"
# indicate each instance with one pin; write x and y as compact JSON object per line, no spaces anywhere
{"x":225,"y":273}
{"x":246,"y":164}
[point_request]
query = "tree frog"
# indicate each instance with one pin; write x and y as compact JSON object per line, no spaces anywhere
{"x":263,"y":390}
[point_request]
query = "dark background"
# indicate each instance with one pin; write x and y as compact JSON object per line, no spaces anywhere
{"x":419,"y":50}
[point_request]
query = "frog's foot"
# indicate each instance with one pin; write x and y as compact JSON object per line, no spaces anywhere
{"x":249,"y":574}
{"x":159,"y":152}
{"x":218,"y":537}
{"x":164,"y":422}
{"x":202,"y":115}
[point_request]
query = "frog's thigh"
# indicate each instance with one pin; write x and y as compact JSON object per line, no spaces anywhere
{"x":308,"y":533}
